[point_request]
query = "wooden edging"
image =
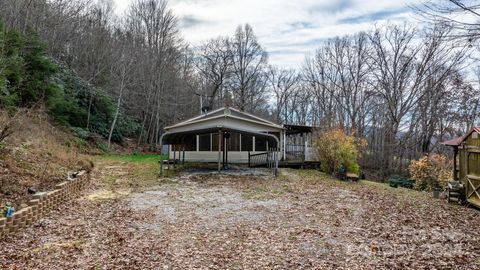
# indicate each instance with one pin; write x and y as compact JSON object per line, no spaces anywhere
{"x":42,"y":203}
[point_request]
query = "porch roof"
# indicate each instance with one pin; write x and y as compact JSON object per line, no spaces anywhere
{"x":297,"y":129}
{"x":225,"y":113}
{"x":183,"y":136}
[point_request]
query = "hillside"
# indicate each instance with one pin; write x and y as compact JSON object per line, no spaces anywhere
{"x":36,"y":155}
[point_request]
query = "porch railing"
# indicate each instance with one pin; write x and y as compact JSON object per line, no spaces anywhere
{"x":267,"y":159}
{"x":257,"y":160}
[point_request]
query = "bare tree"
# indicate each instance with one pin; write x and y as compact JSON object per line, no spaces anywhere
{"x":155,"y":28}
{"x":249,"y":62}
{"x":122,"y":75}
{"x":284,"y":85}
{"x":215,"y":66}
{"x":461,"y":15}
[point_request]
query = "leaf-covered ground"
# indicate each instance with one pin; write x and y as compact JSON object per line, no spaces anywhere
{"x":130,"y":219}
{"x":37,"y":155}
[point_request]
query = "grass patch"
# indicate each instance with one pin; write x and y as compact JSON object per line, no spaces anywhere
{"x":134,"y":158}
{"x":400,"y":192}
{"x":119,"y":175}
{"x":315,"y":177}
{"x":266,"y":190}
{"x":107,"y":195}
{"x":257,"y":193}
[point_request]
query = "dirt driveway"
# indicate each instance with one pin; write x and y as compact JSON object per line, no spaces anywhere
{"x":302,"y":220}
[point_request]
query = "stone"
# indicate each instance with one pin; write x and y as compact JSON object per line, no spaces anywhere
{"x":34,"y":202}
{"x":40,"y":195}
{"x":61,"y":185}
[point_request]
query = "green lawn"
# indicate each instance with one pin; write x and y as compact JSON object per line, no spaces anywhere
{"x":134,"y":158}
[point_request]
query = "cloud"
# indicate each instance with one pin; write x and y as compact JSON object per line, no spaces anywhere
{"x":287,"y":29}
{"x":374,"y":16}
{"x":189,"y":21}
{"x":331,"y":6}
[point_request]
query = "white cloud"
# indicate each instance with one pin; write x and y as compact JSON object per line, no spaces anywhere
{"x":287,"y":29}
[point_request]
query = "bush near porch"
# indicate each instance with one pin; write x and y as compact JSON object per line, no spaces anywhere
{"x":431,"y":171}
{"x":335,"y":149}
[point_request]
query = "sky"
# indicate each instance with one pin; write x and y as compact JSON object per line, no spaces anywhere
{"x":287,"y":29}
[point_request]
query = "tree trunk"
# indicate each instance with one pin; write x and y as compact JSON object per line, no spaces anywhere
{"x":117,"y":111}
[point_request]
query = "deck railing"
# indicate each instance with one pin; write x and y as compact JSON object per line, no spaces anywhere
{"x":295,"y":152}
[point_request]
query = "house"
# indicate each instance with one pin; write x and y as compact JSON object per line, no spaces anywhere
{"x":228,"y":135}
{"x":466,"y":164}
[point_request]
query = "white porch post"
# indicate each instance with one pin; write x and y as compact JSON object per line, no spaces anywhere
{"x":219,"y":148}
{"x":198,"y":143}
{"x":305,"y":150}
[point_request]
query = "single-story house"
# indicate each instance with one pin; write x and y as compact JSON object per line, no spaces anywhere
{"x":228,"y":135}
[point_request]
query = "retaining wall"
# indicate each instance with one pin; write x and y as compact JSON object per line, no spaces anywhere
{"x":42,"y":203}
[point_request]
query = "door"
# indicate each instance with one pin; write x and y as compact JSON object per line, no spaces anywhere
{"x":472,"y":188}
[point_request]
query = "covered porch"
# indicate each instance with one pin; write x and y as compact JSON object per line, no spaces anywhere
{"x":221,"y":145}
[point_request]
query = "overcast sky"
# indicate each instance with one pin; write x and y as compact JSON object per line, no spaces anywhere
{"x":287,"y":29}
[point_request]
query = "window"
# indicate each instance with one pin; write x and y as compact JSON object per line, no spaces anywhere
{"x":205,"y":142}
{"x":234,"y":142}
{"x":260,"y":144}
{"x":191,"y":143}
{"x":247,"y":143}
{"x":215,"y":142}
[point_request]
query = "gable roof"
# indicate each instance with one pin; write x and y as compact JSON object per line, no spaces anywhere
{"x":226,"y":112}
{"x":459,"y":140}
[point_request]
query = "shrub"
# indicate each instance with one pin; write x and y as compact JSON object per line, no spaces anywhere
{"x":397,"y":180}
{"x":335,"y":149}
{"x":80,"y":132}
{"x":25,"y":70}
{"x":431,"y":171}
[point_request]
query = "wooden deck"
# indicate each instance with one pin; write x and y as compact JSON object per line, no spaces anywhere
{"x":299,"y":164}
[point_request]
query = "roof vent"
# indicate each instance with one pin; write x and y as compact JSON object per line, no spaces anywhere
{"x":205,"y":109}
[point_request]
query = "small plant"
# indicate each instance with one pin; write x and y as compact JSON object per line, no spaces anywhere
{"x":8,"y":210}
{"x":400,"y":181}
{"x":80,"y":132}
{"x":103,"y":147}
{"x":335,"y":149}
{"x":431,"y":172}
{"x":6,"y":126}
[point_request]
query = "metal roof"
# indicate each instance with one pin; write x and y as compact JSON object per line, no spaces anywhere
{"x":182,"y":137}
{"x":459,"y":140}
{"x":297,"y":129}
{"x":225,"y":112}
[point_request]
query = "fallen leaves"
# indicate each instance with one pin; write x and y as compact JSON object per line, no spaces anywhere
{"x":304,"y":220}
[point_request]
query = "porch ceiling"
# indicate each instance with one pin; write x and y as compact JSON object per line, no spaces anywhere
{"x":182,"y":137}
